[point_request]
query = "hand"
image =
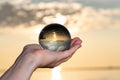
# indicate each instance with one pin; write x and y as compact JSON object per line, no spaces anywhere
{"x":46,"y":58}
{"x":33,"y":56}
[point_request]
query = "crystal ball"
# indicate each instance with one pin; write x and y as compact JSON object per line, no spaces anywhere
{"x":55,"y":37}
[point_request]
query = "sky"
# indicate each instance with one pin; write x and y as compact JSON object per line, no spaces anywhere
{"x":96,"y":3}
{"x":97,"y":25}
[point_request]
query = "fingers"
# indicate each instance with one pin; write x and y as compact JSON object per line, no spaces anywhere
{"x":29,"y":48}
{"x":52,"y":58}
{"x":75,"y":45}
{"x":32,"y":46}
{"x":75,"y":41}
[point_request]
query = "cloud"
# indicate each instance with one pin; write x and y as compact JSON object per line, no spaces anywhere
{"x":90,"y":19}
{"x":14,"y":1}
{"x":76,"y":16}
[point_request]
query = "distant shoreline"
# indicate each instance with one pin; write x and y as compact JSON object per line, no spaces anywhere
{"x":91,"y":68}
{"x":77,"y":69}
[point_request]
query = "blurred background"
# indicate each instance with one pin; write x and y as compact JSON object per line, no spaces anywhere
{"x":96,"y":22}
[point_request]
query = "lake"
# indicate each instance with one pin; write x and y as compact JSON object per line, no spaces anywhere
{"x":76,"y":75}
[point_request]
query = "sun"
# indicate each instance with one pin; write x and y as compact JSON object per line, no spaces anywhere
{"x":60,"y":19}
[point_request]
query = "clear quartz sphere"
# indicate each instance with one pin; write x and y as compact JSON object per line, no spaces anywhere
{"x":55,"y":37}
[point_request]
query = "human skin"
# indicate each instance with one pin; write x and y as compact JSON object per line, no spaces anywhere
{"x":33,"y":57}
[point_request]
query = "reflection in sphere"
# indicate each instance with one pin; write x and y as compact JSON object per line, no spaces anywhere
{"x":55,"y":37}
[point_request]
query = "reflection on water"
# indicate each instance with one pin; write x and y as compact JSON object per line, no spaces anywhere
{"x":80,"y":75}
{"x":56,"y":73}
{"x":76,"y":75}
{"x":91,"y":75}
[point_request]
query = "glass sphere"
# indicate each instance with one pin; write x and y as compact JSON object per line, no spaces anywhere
{"x":55,"y":37}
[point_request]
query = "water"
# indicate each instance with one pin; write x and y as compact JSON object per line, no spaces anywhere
{"x":81,"y":75}
{"x":78,"y":75}
{"x":91,"y":75}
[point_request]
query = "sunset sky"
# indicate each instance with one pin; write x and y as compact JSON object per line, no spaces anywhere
{"x":97,"y":25}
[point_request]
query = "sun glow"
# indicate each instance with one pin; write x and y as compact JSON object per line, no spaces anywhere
{"x":60,"y":19}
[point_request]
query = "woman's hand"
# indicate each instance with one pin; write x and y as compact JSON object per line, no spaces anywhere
{"x":48,"y":59}
{"x":33,"y":57}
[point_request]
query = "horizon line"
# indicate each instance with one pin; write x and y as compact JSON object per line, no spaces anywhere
{"x":93,"y":68}
{"x":81,"y":68}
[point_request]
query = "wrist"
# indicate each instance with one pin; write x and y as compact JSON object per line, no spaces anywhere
{"x":26,"y":62}
{"x":22,"y":69}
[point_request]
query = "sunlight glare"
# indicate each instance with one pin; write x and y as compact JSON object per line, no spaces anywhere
{"x":60,"y":19}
